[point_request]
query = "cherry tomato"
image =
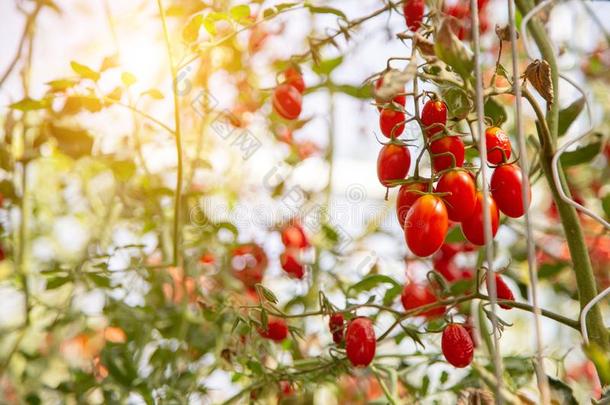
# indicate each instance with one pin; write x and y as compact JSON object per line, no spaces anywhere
{"x":286,"y":389}
{"x":457,"y":345}
{"x":391,"y":122}
{"x":505,"y":186}
{"x":287,"y":101}
{"x":414,"y":13}
{"x":293,"y":77}
{"x":249,"y":263}
{"x":406,"y":197}
{"x":277,"y":329}
{"x":336,"y":326}
{"x":460,"y":203}
{"x":393,"y":163}
{"x":448,"y":269}
{"x":426,"y":225}
{"x":448,"y":144}
{"x":496,"y":142}
{"x":291,"y":265}
{"x":293,"y":236}
{"x":461,"y":24}
{"x":434,"y":117}
{"x":399,"y":99}
{"x":503,"y":291}
{"x":472,"y":227}
{"x":360,"y":342}
{"x":417,"y":295}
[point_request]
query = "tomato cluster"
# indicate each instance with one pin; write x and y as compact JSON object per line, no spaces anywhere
{"x":287,"y":97}
{"x":426,"y":212}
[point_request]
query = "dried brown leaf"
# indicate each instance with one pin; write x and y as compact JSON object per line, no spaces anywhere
{"x":538,"y":73}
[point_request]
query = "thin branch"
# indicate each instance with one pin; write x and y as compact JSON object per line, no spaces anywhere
{"x":30,"y":19}
{"x":178,"y":195}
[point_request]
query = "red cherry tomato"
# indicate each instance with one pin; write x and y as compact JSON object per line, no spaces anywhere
{"x":496,"y":142}
{"x":286,"y":389}
{"x":391,"y":122}
{"x":336,"y":326}
{"x":293,"y":77}
{"x":448,"y":269}
{"x":472,"y":227}
{"x":291,"y":265}
{"x":360,"y":342}
{"x":448,"y":144}
{"x":414,"y":13}
{"x":249,"y":263}
{"x":417,"y":295}
{"x":434,"y":117}
{"x":393,"y":163}
{"x":287,"y":101}
{"x":503,"y":291}
{"x":443,"y":262}
{"x":406,"y":197}
{"x":460,"y":203}
{"x":399,"y":99}
{"x":426,"y":225}
{"x":277,"y":329}
{"x":457,"y":345}
{"x":505,"y":186}
{"x":293,"y":236}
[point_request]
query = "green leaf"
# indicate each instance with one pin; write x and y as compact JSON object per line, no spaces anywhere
{"x":267,"y":293}
{"x":240,"y":13}
{"x":128,"y":79}
{"x":255,"y":367}
{"x":325,"y":67}
{"x":460,"y":287}
{"x":568,"y":115}
{"x":7,"y":189}
{"x":84,"y":71}
{"x":325,"y":10}
{"x":495,"y":111}
{"x":548,"y":270}
{"x":457,"y":102}
{"x":76,"y":104}
{"x":452,"y":51}
{"x":561,"y":393}
{"x":99,"y":280}
{"x":391,"y":294}
{"x":123,"y":169}
{"x":601,"y":360}
{"x":57,"y":282}
{"x":154,"y":93}
{"x":74,"y":142}
{"x":580,"y":155}
{"x":361,"y":92}
{"x":190,"y":33}
{"x":271,"y":11}
{"x":109,"y":62}
{"x":455,"y":235}
{"x":61,"y":84}
{"x":372,"y":281}
{"x":28,"y":104}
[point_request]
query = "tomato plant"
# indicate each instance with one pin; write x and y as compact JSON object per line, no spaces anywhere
{"x":190,"y":210}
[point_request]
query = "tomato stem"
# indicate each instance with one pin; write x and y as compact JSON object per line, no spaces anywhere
{"x":548,"y":133}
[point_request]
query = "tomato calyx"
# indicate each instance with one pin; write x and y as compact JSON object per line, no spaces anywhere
{"x":504,"y":158}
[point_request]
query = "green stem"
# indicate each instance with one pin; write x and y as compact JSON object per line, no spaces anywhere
{"x":583,"y":271}
{"x":178,"y":195}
